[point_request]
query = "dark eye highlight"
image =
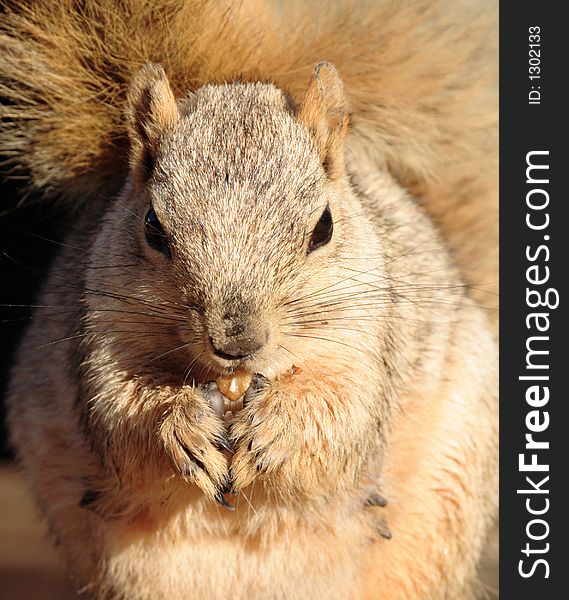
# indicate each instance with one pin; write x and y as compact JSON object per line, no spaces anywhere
{"x":322,"y":233}
{"x":154,"y":233}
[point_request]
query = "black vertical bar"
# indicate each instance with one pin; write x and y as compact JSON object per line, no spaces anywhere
{"x":533,"y":260}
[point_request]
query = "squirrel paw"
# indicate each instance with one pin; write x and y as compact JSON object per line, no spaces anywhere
{"x":265,"y":445}
{"x":258,"y":384}
{"x":193,"y":435}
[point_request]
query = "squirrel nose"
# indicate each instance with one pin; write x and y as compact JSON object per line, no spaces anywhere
{"x":238,"y":332}
{"x":237,"y":349}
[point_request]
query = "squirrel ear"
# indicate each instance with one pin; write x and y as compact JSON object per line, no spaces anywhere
{"x":323,"y":111}
{"x":151,"y":110}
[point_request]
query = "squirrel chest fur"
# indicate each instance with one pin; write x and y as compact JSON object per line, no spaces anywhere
{"x":255,"y":242}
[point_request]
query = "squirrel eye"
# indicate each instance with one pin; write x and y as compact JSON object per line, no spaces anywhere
{"x":322,"y":232}
{"x":155,"y":235}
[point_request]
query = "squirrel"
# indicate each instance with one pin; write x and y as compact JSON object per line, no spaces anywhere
{"x":300,"y":203}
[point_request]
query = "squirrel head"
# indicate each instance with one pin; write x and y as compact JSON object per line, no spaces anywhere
{"x":152,"y":113}
{"x":240,"y":205}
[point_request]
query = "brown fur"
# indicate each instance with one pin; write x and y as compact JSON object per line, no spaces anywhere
{"x":381,"y":370}
{"x":420,"y":76}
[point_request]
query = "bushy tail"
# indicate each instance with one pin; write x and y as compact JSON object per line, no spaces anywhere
{"x":420,"y":76}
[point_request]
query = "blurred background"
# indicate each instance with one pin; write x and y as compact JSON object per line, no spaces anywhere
{"x":29,"y":566}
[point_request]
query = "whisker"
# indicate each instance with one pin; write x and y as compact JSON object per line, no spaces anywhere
{"x":191,"y":365}
{"x":185,"y":345}
{"x":324,"y":339}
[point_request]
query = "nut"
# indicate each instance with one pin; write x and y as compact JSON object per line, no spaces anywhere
{"x":233,"y":386}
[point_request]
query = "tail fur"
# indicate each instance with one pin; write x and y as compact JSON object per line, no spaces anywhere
{"x":420,"y":76}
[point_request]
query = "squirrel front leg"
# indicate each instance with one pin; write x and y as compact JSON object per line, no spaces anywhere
{"x":192,"y":436}
{"x":308,"y":434}
{"x":158,"y":424}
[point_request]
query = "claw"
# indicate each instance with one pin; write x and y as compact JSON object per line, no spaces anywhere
{"x":375,"y":500}
{"x":383,"y":530}
{"x":219,"y":498}
{"x":190,"y":454}
{"x":225,"y":444}
{"x":257,"y":384}
{"x":228,"y":485}
{"x":259,"y":381}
